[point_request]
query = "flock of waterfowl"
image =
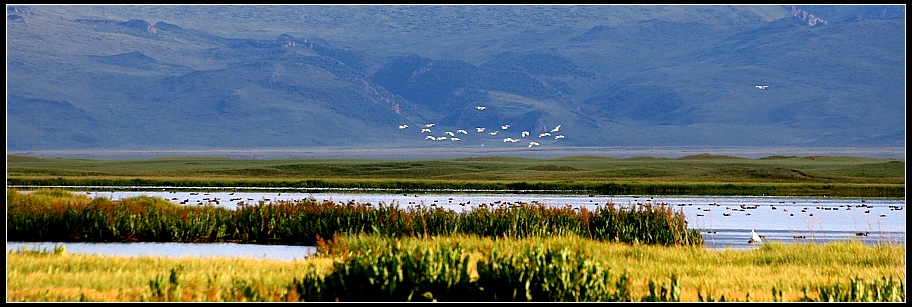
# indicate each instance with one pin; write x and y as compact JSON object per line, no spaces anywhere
{"x":743,"y":208}
{"x":490,"y":135}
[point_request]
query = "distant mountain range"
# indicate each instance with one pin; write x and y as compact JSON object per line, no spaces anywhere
{"x":174,"y":77}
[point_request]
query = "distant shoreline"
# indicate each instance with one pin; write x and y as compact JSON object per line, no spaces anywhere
{"x":462,"y":152}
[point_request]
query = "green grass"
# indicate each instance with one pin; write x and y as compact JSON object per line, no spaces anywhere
{"x":45,"y":215}
{"x":705,"y":175}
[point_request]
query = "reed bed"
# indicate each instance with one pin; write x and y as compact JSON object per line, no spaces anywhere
{"x":38,"y":217}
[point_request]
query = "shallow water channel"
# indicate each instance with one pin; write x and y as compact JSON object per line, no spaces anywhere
{"x":726,"y":222}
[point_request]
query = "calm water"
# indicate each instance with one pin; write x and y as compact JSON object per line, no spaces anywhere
{"x":726,"y":222}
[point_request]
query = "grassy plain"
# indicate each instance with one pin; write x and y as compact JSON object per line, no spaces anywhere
{"x":789,"y":268}
{"x":693,"y":175}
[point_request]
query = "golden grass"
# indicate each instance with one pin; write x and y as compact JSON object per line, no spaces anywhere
{"x":73,"y":277}
{"x":738,"y":274}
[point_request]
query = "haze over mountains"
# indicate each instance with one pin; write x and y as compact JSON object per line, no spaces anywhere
{"x":170,"y":77}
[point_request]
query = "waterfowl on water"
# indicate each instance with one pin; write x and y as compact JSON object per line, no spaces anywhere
{"x":755,"y":238}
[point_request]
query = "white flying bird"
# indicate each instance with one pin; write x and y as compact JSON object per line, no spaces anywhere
{"x":544,"y":135}
{"x":558,"y":137}
{"x":533,"y":144}
{"x":450,"y":133}
{"x":441,"y":138}
{"x":510,"y":140}
{"x":455,"y":139}
{"x":461,"y":131}
{"x":430,"y":137}
{"x":425,"y":130}
{"x":429,"y":125}
{"x":556,"y":129}
{"x":403,"y":126}
{"x":762,"y":87}
{"x":505,"y":127}
{"x":479,"y":129}
{"x":525,"y":133}
{"x":480,"y":108}
{"x":493,"y":133}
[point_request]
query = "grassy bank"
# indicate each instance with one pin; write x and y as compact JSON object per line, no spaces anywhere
{"x":692,"y":175}
{"x":469,"y":268}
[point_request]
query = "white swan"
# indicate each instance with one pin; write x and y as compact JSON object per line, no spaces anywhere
{"x":755,"y":238}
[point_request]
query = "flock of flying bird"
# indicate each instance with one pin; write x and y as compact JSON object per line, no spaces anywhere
{"x":454,"y":136}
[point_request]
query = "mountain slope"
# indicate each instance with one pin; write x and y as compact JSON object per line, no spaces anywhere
{"x":249,"y":77}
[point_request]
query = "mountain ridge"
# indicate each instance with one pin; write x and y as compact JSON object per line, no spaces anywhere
{"x":663,"y":76}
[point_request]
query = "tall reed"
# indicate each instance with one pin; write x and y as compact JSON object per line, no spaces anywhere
{"x":301,"y":222}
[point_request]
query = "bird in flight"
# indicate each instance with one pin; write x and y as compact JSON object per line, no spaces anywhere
{"x":505,"y":127}
{"x":479,"y":129}
{"x":762,"y":87}
{"x":556,"y":129}
{"x":533,"y":144}
{"x":525,"y":133}
{"x":403,"y":126}
{"x":480,"y":108}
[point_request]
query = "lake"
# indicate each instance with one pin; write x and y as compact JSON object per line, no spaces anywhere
{"x":726,"y":222}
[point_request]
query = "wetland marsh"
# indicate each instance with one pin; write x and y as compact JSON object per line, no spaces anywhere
{"x":855,"y":181}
